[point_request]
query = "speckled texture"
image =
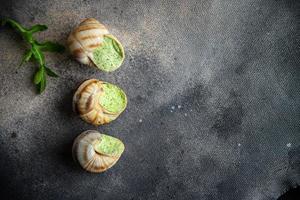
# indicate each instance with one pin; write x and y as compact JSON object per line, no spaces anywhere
{"x":232,"y":68}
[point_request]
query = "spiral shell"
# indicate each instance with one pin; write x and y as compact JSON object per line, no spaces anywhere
{"x":85,"y":38}
{"x":86,"y":102}
{"x":86,"y":153}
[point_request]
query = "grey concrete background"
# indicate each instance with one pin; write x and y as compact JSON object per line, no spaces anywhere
{"x":232,"y":66}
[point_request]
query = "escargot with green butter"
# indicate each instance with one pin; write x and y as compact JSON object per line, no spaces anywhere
{"x":92,"y":44}
{"x":96,"y":152}
{"x":98,"y":102}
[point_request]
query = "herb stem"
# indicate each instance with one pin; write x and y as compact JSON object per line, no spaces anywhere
{"x":36,"y":51}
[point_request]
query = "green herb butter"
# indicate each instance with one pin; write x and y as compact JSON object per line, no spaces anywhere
{"x":113,"y":98}
{"x":109,"y":56}
{"x":110,"y":146}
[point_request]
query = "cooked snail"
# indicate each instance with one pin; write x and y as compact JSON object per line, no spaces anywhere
{"x":99,"y":102}
{"x":92,"y":44}
{"x":96,"y":152}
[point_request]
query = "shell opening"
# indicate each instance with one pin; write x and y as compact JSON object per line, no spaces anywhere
{"x":113,"y":98}
{"x":108,"y":146}
{"x":109,"y":55}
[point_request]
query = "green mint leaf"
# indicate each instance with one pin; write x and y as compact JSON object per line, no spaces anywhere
{"x":18,"y":27}
{"x":49,"y":72}
{"x":14,"y":25}
{"x":38,"y":55}
{"x":27,"y":55}
{"x":39,"y":75}
{"x":42,"y":85}
{"x":37,"y":28}
{"x":52,"y":47}
{"x":36,"y":51}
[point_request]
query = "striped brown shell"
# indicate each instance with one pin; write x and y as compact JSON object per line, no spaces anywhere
{"x":85,"y":38}
{"x":84,"y":152}
{"x":86,"y":103}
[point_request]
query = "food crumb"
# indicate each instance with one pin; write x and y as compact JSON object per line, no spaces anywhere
{"x":185,"y":114}
{"x":173,"y":107}
{"x":239,"y":144}
{"x":171,"y":110}
{"x":179,"y":106}
{"x":14,"y":135}
{"x":288,"y":145}
{"x":140,"y":120}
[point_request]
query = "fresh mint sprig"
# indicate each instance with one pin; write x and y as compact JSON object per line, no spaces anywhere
{"x":36,"y":51}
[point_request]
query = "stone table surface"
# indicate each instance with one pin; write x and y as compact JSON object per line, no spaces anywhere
{"x":213,"y":112}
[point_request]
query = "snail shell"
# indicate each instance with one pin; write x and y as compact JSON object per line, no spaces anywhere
{"x":85,"y":38}
{"x":87,"y":153}
{"x":86,"y":102}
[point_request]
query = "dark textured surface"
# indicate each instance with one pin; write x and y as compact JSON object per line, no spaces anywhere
{"x":231,"y":66}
